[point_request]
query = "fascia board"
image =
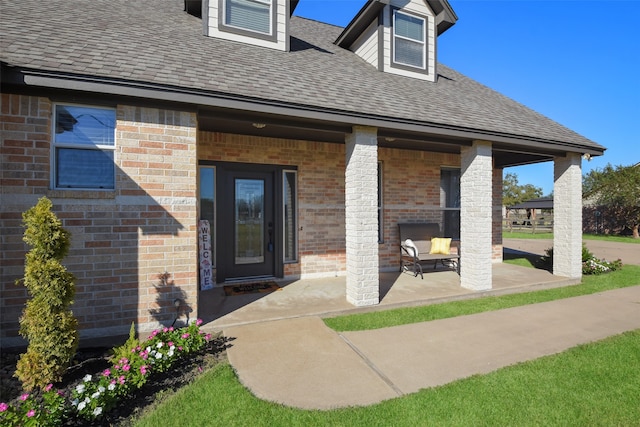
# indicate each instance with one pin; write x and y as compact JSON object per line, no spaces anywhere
{"x":37,"y":78}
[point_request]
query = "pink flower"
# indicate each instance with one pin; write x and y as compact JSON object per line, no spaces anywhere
{"x":3,"y":406}
{"x":165,"y":329}
{"x":123,"y":361}
{"x":207,"y":337}
{"x":113,"y":382}
{"x":116,"y":367}
{"x":121,"y":379}
{"x":185,"y":336}
{"x":48,"y":387}
{"x":170,"y":343}
{"x":126,"y":368}
{"x":199,"y":322}
{"x":179,"y":348}
{"x":199,"y":368}
{"x":106,"y":373}
{"x":24,"y":397}
{"x":143,"y":369}
{"x":31,"y":413}
{"x":171,"y":329}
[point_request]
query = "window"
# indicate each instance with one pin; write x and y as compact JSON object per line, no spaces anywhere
{"x":208,"y":204}
{"x":290,"y":213}
{"x":83,"y":147}
{"x":450,"y":201}
{"x":249,"y":15}
{"x":409,"y":40}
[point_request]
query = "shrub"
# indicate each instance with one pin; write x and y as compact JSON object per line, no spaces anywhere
{"x":96,"y":395}
{"x":47,"y":322}
{"x":590,"y":264}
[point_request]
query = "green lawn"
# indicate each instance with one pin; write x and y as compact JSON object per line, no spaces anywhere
{"x":523,"y":235}
{"x":594,"y":384}
{"x":627,"y":276}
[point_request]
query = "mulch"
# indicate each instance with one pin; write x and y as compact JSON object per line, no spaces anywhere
{"x":94,"y":360}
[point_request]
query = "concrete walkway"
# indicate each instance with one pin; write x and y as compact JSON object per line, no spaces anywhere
{"x":300,"y":362}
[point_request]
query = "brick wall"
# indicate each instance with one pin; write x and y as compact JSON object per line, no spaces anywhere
{"x":121,"y":240}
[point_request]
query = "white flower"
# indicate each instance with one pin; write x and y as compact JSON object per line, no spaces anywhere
{"x":172,"y":348}
{"x":81,"y":406}
{"x":74,"y":402}
{"x":159,"y":345}
{"x":148,"y":349}
{"x":111,"y":387}
{"x":87,"y":378}
{"x":97,"y":411}
{"x":80,"y":388}
{"x":158,"y":355}
{"x":95,"y":395}
{"x":87,"y":400}
{"x":170,"y":353}
{"x":101,"y":389}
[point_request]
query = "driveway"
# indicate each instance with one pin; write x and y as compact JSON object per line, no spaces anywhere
{"x":629,"y":253}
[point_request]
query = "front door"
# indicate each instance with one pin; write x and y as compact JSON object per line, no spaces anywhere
{"x":247,"y":232}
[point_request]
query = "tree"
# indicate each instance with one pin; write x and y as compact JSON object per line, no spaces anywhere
{"x":47,"y":322}
{"x":513,"y":193}
{"x":618,"y":189}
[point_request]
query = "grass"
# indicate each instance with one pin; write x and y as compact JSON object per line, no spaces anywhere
{"x":549,"y":236}
{"x":593,"y":384}
{"x":627,"y":276}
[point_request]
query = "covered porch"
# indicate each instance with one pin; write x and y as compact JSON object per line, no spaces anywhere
{"x":326,"y":297}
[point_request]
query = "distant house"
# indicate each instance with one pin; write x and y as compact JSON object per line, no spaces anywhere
{"x":301,"y":143}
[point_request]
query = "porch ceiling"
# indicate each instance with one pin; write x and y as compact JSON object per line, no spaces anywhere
{"x":274,"y":126}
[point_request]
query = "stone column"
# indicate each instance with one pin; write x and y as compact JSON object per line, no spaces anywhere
{"x":361,"y":212}
{"x":567,"y":216}
{"x":476,"y":208}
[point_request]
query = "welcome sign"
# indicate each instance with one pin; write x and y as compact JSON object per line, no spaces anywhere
{"x":206,"y":268}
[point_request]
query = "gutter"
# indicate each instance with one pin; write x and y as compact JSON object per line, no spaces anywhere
{"x":196,"y":97}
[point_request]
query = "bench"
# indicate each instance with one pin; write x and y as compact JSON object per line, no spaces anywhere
{"x":416,"y":237}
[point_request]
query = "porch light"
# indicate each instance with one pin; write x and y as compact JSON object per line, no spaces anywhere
{"x":259,"y":125}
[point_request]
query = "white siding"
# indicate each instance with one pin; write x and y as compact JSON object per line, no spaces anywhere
{"x":366,"y":47}
{"x":418,"y":7}
{"x":281,"y":43}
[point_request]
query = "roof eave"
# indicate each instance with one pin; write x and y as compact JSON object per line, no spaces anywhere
{"x":40,"y":79}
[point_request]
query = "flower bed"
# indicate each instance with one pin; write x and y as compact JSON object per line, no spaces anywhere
{"x":97,"y":394}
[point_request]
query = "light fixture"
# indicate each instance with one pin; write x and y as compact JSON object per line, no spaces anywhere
{"x":258,"y":125}
{"x":389,"y":139}
{"x":587,"y":157}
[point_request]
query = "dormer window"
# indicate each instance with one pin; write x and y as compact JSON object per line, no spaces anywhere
{"x":409,"y":40}
{"x":250,"y":17}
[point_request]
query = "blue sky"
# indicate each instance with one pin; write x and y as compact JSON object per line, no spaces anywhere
{"x":575,"y":61}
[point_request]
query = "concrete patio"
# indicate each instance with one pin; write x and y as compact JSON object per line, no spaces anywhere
{"x":326,"y":297}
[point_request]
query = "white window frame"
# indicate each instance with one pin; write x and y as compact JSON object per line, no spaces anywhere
{"x":423,"y":42}
{"x":270,"y":3}
{"x":55,"y":145}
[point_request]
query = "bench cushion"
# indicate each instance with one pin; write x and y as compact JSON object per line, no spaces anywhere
{"x":440,"y":245}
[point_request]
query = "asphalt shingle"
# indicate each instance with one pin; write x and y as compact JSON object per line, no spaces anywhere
{"x":156,"y":41}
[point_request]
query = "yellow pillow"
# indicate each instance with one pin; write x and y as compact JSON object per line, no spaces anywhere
{"x":440,"y":245}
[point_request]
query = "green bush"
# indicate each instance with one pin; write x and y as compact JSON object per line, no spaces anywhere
{"x":47,"y":322}
{"x":590,"y":264}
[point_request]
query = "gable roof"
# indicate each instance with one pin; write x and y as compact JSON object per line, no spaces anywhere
{"x":152,"y":49}
{"x":443,"y":11}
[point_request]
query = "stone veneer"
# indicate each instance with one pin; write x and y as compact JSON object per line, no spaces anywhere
{"x":567,"y":216}
{"x":361,"y":205}
{"x":476,"y":216}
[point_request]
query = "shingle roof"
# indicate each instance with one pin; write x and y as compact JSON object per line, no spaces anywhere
{"x":155,"y":41}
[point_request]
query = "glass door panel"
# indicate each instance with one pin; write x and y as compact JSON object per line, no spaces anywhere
{"x":249,"y":221}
